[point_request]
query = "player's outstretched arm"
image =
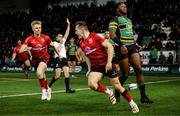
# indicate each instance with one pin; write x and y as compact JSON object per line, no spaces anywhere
{"x":67,"y":29}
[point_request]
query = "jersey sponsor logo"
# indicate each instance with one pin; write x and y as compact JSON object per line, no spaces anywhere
{"x":89,"y":50}
{"x":39,"y":48}
{"x":42,"y":39}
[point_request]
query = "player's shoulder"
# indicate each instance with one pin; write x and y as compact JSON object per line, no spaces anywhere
{"x":45,"y":36}
{"x":93,"y":33}
{"x":29,"y":37}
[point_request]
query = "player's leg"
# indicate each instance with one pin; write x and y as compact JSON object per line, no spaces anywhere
{"x":124,"y":92}
{"x":94,"y":79}
{"x":57,"y":67}
{"x":124,"y":66}
{"x":53,"y":80}
{"x":72,"y":63}
{"x":73,"y":68}
{"x":48,"y":90}
{"x":67,"y":79}
{"x":40,"y":74}
{"x":136,"y":63}
{"x":24,"y":70}
{"x":124,"y":71}
{"x":55,"y":77}
{"x":27,"y":65}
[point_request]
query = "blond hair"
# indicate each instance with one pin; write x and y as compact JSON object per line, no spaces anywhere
{"x":35,"y":22}
{"x":82,"y":24}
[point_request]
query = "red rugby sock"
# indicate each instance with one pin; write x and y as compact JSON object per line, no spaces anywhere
{"x":102,"y":88}
{"x":43,"y":83}
{"x":127,"y":95}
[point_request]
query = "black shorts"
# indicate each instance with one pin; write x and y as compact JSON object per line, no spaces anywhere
{"x":60,"y":63}
{"x":19,"y":63}
{"x":131,"y":49}
{"x":36,"y":64}
{"x":110,"y":74}
{"x":115,"y":60}
{"x":71,"y":58}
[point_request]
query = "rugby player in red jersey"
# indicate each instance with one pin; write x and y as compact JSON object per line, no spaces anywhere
{"x":22,"y":59}
{"x":98,"y":54}
{"x":39,"y":48}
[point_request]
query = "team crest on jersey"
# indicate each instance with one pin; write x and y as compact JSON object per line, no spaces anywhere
{"x":39,"y":45}
{"x":42,"y":39}
{"x":90,"y":41}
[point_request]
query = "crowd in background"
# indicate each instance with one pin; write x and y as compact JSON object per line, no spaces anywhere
{"x":155,"y":22}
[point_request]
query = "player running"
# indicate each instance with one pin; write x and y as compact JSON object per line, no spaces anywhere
{"x":22,"y":59}
{"x":40,"y":57}
{"x":98,"y":54}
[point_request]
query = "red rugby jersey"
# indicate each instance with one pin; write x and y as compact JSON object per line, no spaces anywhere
{"x":20,"y":56}
{"x":39,"y":45}
{"x":93,"y":49}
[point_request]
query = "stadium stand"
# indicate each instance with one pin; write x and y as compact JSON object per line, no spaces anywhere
{"x":155,"y":24}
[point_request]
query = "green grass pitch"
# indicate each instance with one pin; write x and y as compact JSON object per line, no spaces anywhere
{"x":19,"y":96}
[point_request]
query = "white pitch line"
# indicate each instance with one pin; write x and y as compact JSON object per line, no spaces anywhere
{"x":165,"y":81}
{"x":30,"y":94}
{"x":61,"y":91}
{"x":14,"y":79}
{"x":18,"y":79}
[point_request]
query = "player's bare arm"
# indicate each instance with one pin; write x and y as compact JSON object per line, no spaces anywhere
{"x":13,"y":56}
{"x":23,"y":48}
{"x":29,"y":52}
{"x":110,"y":52}
{"x":67,"y":29}
{"x":86,"y":59}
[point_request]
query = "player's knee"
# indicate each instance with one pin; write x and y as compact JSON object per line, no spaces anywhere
{"x":138,"y":71}
{"x":116,"y":85}
{"x":40,"y":75}
{"x":57,"y":76}
{"x":65,"y":68}
{"x":92,"y":85}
